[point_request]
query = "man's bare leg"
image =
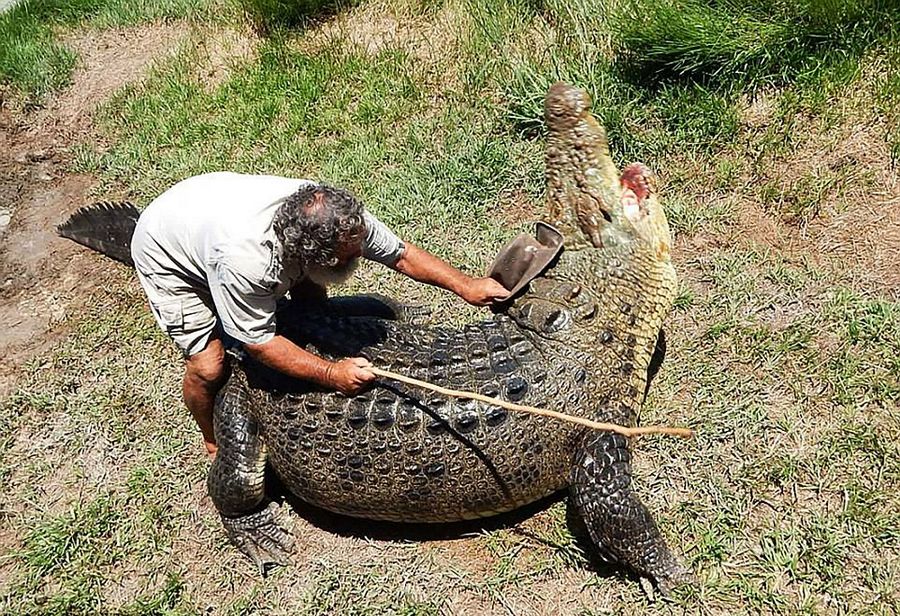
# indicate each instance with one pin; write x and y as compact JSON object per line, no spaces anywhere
{"x":204,"y":375}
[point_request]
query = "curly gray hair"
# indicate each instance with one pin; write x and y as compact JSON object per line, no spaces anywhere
{"x":316,"y":222}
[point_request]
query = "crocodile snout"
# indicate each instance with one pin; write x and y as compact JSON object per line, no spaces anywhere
{"x":588,"y":200}
{"x":565,"y":105}
{"x":583,"y":186}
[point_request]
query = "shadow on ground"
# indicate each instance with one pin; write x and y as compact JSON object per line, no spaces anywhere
{"x":405,"y":532}
{"x":271,"y":15}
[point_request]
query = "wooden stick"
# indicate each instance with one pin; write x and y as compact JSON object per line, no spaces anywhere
{"x":595,"y":425}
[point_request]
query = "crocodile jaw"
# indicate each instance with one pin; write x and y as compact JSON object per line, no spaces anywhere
{"x":608,"y":293}
{"x":588,"y":200}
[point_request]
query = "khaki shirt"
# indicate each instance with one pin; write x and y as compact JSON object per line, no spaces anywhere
{"x":213,"y":233}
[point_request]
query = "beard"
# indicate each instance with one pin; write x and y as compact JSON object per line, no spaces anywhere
{"x":327,"y":276}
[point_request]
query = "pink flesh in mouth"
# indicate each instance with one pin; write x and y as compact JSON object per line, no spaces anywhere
{"x":635,"y":177}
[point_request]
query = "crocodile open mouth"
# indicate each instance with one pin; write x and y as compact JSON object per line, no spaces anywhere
{"x":582,"y":181}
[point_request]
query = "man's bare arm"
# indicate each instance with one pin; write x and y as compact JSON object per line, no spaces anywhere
{"x":423,"y":266}
{"x":348,"y":376}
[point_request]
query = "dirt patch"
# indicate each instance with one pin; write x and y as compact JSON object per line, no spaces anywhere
{"x":41,"y":275}
{"x":516,"y":208}
{"x":107,"y":61}
{"x":370,"y":29}
{"x":866,"y":241}
{"x":831,"y":199}
{"x":221,"y":52}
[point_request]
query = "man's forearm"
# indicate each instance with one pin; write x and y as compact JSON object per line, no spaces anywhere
{"x":348,"y":376}
{"x":283,"y":355}
{"x":424,"y":267}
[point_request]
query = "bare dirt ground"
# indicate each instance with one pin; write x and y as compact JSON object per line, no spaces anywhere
{"x":43,"y":276}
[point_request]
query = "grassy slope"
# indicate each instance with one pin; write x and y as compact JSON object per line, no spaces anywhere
{"x":786,"y":502}
{"x":34,"y":61}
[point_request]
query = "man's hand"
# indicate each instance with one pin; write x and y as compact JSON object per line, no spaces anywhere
{"x":484,"y":291}
{"x":349,"y":376}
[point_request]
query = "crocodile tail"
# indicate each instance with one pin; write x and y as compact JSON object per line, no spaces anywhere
{"x":104,"y":227}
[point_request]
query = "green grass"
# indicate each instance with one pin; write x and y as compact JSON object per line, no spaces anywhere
{"x":889,"y":102}
{"x":30,"y":58}
{"x":361,"y":122}
{"x":751,"y":43}
{"x":34,"y":61}
{"x":670,"y":75}
{"x":803,"y":438}
{"x":70,"y":552}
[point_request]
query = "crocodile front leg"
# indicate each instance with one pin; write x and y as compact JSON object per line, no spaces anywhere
{"x":236,"y":482}
{"x":619,"y":524}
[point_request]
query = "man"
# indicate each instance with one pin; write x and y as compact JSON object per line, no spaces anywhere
{"x":215,"y":252}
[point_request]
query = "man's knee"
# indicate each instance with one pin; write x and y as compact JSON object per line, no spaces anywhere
{"x":208,"y":368}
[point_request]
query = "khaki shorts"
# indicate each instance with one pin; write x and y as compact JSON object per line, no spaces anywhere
{"x":183,"y":310}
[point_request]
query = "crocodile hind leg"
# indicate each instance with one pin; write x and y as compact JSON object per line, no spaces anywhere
{"x":236,"y":482}
{"x":618,"y":523}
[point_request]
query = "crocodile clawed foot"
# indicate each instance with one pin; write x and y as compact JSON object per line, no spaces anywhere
{"x":676,"y":576}
{"x":260,"y":537}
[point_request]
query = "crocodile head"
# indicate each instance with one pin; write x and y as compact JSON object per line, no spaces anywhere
{"x":606,"y":296}
{"x":589,"y":200}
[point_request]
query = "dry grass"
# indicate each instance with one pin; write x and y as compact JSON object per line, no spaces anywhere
{"x":107,"y":60}
{"x":220,"y":51}
{"x":431,"y":37}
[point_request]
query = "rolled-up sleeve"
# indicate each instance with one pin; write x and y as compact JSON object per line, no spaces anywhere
{"x":245,"y":307}
{"x":382,"y":245}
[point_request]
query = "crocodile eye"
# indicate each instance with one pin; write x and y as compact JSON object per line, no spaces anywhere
{"x":556,"y":320}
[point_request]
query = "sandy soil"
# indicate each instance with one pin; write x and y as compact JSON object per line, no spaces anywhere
{"x":42,"y":276}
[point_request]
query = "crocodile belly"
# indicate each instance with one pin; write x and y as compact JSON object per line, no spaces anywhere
{"x":428,"y":469}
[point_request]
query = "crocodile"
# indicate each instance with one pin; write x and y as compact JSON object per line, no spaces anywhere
{"x":579,"y":338}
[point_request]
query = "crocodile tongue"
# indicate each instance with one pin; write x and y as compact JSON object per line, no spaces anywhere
{"x":583,"y":184}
